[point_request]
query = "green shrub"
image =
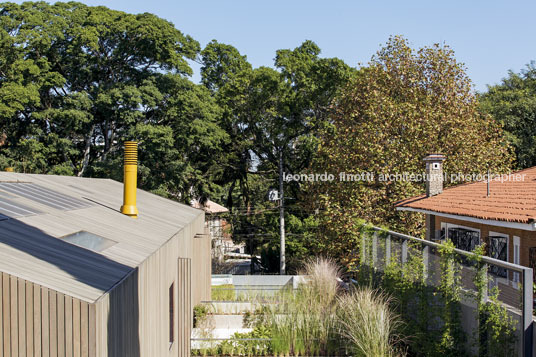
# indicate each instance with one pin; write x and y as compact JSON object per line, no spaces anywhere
{"x":224,"y":292}
{"x":200,"y":313}
{"x":254,"y":343}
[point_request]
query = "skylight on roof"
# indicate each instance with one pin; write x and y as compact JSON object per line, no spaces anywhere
{"x":89,"y":241}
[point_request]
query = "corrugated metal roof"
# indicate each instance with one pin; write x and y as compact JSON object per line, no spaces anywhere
{"x":12,"y":208}
{"x":43,"y":195}
{"x":30,"y":247}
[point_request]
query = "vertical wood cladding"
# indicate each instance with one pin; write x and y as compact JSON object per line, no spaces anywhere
{"x":39,"y":322}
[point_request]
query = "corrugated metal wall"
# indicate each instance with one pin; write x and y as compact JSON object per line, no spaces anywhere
{"x":36,"y":321}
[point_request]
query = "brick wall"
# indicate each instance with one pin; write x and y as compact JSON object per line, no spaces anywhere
{"x":527,"y":239}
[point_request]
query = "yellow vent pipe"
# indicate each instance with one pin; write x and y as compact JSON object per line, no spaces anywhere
{"x":130,"y":179}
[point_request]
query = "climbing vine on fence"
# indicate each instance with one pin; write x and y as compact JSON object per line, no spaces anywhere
{"x":452,"y":335}
{"x":432,"y":312}
{"x":496,"y":333}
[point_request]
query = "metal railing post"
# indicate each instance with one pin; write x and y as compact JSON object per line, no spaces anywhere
{"x":484,"y":300}
{"x":404,"y":253}
{"x":363,"y":253}
{"x":374,"y":250}
{"x":425,"y":253}
{"x":387,"y":250}
{"x":527,"y":312}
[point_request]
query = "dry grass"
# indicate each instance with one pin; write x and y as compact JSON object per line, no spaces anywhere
{"x":367,"y":322}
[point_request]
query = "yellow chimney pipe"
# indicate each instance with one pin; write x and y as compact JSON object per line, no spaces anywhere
{"x":130,"y":179}
{"x":9,"y":169}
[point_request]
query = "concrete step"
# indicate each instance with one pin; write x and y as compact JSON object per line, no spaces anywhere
{"x":208,"y":338}
{"x":230,"y":307}
{"x":225,"y":321}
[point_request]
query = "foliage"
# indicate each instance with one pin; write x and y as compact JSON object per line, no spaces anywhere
{"x":499,"y":326}
{"x":254,"y":343}
{"x":200,"y":313}
{"x":368,"y":323}
{"x":429,"y":297}
{"x":452,"y":334}
{"x":259,"y":317}
{"x":319,"y":318}
{"x":513,"y":104}
{"x":394,"y":112}
{"x":496,"y":331}
{"x":267,"y":111}
{"x":224,"y":292}
{"x":88,"y":78}
{"x":307,"y":322}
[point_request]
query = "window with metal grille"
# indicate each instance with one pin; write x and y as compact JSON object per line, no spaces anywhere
{"x":532,"y":262}
{"x":516,"y":257}
{"x":464,"y":238}
{"x":498,"y":249}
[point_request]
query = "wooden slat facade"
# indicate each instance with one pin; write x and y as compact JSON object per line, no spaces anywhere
{"x":202,"y":272}
{"x":184,"y":306}
{"x":113,"y":304}
{"x":133,"y":318}
{"x":38,"y":322}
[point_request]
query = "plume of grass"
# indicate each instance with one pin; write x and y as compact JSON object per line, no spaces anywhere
{"x":366,"y":321}
{"x":323,"y":279}
{"x":304,"y":325}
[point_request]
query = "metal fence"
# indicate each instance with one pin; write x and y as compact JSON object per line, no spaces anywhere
{"x":513,"y":282}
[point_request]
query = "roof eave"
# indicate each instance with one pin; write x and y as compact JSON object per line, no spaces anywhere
{"x":531,"y":226}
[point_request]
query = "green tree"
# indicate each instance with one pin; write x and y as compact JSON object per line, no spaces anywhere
{"x":268,"y":111}
{"x":394,"y":112}
{"x":513,"y":104}
{"x":98,"y":65}
{"x":86,"y":79}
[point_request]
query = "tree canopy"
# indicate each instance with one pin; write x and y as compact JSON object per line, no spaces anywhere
{"x":402,"y":106}
{"x":513,"y":104}
{"x":85,"y":79}
{"x":76,"y":81}
{"x":267,"y":111}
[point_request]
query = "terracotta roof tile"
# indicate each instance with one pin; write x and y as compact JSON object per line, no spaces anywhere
{"x":511,"y":201}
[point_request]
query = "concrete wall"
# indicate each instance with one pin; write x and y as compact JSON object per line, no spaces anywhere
{"x":264,"y":285}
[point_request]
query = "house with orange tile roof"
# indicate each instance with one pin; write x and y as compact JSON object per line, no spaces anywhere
{"x":500,"y":212}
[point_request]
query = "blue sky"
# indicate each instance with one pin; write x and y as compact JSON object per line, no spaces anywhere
{"x":490,"y":37}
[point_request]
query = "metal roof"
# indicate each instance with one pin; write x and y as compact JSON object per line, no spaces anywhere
{"x":47,"y":208}
{"x":209,"y":207}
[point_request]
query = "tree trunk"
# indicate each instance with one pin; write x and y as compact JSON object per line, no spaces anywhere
{"x":87,"y":150}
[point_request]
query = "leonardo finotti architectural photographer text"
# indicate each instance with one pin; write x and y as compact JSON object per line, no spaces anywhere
{"x":405,"y":176}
